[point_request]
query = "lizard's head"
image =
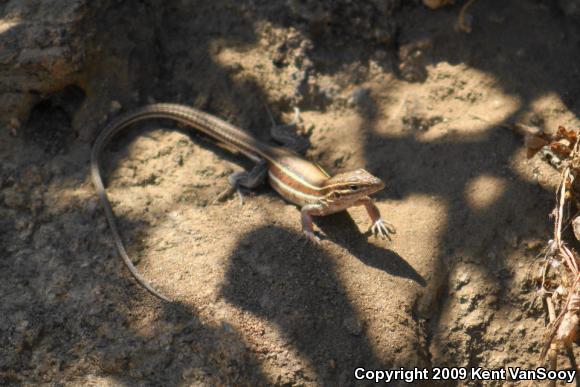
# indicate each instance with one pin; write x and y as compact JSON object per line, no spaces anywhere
{"x":352,"y":185}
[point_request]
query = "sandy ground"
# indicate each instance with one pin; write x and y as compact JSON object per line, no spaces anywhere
{"x":255,"y":304}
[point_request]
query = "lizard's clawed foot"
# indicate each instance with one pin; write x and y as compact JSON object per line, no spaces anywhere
{"x":311,"y":237}
{"x":383,"y":229}
{"x":223,"y":195}
{"x":226,"y":193}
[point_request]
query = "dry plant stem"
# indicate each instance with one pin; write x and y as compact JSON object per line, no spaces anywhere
{"x":560,"y":213}
{"x":557,"y":322}
{"x":566,"y":254}
{"x":545,"y":274}
{"x":553,"y":354}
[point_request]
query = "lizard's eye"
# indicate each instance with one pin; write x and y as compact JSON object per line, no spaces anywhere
{"x":353,"y":187}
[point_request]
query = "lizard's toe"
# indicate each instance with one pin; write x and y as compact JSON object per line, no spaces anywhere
{"x":382,"y":229}
{"x":311,"y":237}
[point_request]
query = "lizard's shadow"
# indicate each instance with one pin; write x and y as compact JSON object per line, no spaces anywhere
{"x":295,"y":289}
{"x":340,"y":228}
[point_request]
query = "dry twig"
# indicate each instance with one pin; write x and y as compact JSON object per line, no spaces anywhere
{"x":563,"y":292}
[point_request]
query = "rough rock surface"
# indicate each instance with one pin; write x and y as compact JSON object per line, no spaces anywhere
{"x":371,"y":20}
{"x":42,"y":50}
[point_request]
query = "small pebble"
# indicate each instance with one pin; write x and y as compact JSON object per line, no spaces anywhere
{"x":115,"y":107}
{"x":353,"y":326}
{"x":359,"y":96}
{"x":462,"y":280}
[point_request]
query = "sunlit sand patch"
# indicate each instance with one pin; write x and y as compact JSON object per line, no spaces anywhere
{"x":5,"y":25}
{"x":456,"y":98}
{"x":483,"y":191}
{"x":550,"y":110}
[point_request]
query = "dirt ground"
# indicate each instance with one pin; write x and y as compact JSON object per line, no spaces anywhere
{"x":414,"y":101}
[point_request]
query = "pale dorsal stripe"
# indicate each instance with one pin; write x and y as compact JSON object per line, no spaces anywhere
{"x":292,"y":190}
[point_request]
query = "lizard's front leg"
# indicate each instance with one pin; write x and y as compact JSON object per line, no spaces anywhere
{"x":379,"y":227}
{"x":307,"y":226}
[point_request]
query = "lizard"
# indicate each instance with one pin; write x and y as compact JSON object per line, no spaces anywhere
{"x":299,"y":181}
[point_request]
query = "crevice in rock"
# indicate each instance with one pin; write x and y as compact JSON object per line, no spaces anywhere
{"x":50,"y":122}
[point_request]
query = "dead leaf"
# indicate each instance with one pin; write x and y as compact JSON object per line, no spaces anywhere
{"x":567,"y":134}
{"x":533,"y":144}
{"x":560,"y":149}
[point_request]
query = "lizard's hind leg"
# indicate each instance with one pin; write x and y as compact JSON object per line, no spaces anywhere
{"x":244,"y":179}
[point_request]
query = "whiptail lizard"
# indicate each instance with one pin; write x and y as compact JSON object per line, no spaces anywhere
{"x":296,"y":179}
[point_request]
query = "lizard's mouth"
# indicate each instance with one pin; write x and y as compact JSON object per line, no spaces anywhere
{"x":379,"y":185}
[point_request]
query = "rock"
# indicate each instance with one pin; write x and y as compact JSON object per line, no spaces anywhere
{"x":115,"y":107}
{"x":42,"y":49}
{"x":14,"y":199}
{"x":461,"y":280}
{"x":412,"y":57}
{"x":474,"y":321}
{"x":353,"y":325}
{"x":366,"y":19}
{"x":359,"y":96}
